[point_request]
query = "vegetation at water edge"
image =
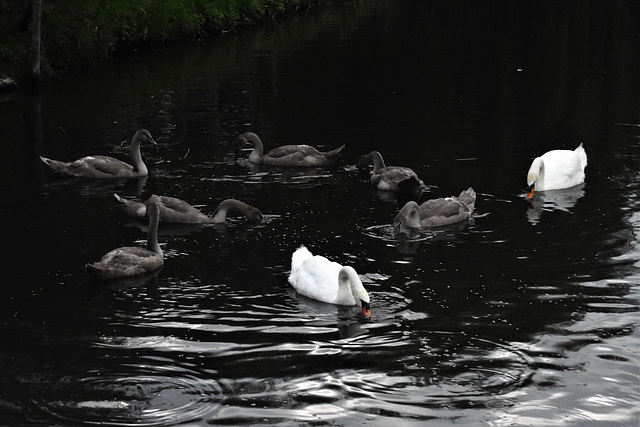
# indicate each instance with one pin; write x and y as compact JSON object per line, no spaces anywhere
{"x":81,"y":33}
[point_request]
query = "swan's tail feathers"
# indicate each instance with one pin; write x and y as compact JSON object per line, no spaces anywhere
{"x":132,"y":207}
{"x":335,"y":153}
{"x":55,"y":165}
{"x":299,"y":257}
{"x":468,"y":197}
{"x":94,"y":271}
{"x":582,"y":155}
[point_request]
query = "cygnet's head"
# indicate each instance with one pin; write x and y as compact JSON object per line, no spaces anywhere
{"x":253,"y":214}
{"x":144,"y":135}
{"x":409,"y":216}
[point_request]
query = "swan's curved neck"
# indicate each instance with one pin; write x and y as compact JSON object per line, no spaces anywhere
{"x":349,"y":285}
{"x":258,"y":148}
{"x":228,"y":205}
{"x":537,"y":169}
{"x":378,"y":161}
{"x":220,"y":214}
{"x":136,"y":158}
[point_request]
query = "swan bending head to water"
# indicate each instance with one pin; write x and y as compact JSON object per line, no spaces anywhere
{"x":398,"y":179}
{"x":557,"y":169}
{"x":179,"y":211}
{"x":316,"y":277}
{"x":436,"y":212}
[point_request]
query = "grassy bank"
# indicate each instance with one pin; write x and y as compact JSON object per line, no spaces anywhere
{"x":83,"y":33}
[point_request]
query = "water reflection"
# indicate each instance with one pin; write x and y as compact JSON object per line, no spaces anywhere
{"x":494,"y":322}
{"x":154,"y":393}
{"x":345,"y":319}
{"x":306,"y":177}
{"x":99,"y":187}
{"x":554,"y":200}
{"x":408,"y":240}
{"x":148,"y":281}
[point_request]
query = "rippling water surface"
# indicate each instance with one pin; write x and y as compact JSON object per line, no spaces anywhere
{"x":525,"y":315}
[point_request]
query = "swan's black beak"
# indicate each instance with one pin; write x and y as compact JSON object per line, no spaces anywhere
{"x":366,"y":308}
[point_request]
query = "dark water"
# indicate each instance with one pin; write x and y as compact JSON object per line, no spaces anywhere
{"x":527,"y":315}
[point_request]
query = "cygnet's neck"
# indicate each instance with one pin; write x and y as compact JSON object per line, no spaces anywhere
{"x":153,"y":211}
{"x":220,"y":214}
{"x":378,"y":161}
{"x":258,"y":148}
{"x":136,"y":157}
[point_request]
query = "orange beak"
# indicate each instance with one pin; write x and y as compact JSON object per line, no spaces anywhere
{"x":366,"y":309}
{"x":530,"y":193}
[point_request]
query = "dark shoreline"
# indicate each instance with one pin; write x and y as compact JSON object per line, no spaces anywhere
{"x":74,"y":39}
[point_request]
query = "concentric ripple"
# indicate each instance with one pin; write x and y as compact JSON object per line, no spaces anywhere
{"x":453,"y":372}
{"x":139,"y":395}
{"x":386,"y":233}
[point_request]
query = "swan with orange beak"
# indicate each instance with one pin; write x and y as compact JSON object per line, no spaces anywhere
{"x":557,"y":169}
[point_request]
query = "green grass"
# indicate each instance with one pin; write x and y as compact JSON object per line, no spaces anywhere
{"x":83,"y":33}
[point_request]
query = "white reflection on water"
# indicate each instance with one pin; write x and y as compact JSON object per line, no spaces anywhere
{"x":554,"y":200}
{"x":496,"y":322}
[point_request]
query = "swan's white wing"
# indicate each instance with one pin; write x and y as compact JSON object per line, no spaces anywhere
{"x":563,"y":169}
{"x":317,"y":278}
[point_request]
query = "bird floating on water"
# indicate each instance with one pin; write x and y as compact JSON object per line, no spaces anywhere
{"x":316,"y":277}
{"x":105,"y":166}
{"x":398,"y":179}
{"x":287,"y":155}
{"x":177,"y":210}
{"x":436,"y":212}
{"x":557,"y":169}
{"x":132,"y":260}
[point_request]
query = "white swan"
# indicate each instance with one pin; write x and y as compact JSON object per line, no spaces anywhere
{"x":105,"y":166}
{"x":327,"y":281}
{"x":132,"y":260}
{"x":177,"y":210}
{"x":557,"y":169}
{"x":399,"y":179}
{"x":287,"y":155}
{"x":436,"y":212}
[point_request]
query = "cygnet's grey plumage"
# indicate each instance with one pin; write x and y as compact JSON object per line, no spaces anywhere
{"x":179,"y":211}
{"x":398,"y":179}
{"x":132,"y":260}
{"x":105,"y":166}
{"x":287,"y":155}
{"x":436,"y":212}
